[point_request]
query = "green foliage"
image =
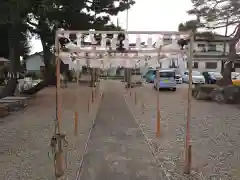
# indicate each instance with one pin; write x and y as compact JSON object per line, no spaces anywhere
{"x":214,"y":13}
{"x":189,"y":25}
{"x":23,"y":48}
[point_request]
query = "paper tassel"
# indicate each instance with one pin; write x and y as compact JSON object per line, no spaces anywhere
{"x":126,"y":43}
{"x":114,"y":42}
{"x":92,"y":39}
{"x":104,"y":41}
{"x":79,"y":36}
{"x":138,"y":42}
{"x":149,"y":42}
{"x":159,"y":42}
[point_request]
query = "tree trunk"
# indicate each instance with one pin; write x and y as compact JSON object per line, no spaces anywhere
{"x":11,"y":85}
{"x":49,"y":76}
{"x":227,"y":79}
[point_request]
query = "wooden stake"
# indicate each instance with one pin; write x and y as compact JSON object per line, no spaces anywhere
{"x":76,"y":100}
{"x":135,"y":98}
{"x":88,"y":105}
{"x":58,"y":85}
{"x":158,"y":129}
{"x":189,"y":107}
{"x":143,"y":107}
{"x":76,"y":124}
{"x":92,"y":95}
{"x":189,"y":160}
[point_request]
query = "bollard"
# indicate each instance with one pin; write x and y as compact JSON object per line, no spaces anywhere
{"x":188,"y":160}
{"x":76,"y":124}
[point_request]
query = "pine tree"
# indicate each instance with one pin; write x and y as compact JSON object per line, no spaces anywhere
{"x":215,"y":14}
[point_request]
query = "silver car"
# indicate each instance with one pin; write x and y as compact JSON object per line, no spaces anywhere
{"x":166,"y":80}
{"x":197,"y":77}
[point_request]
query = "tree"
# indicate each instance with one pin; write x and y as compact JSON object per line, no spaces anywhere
{"x":45,"y":16}
{"x":189,"y":25}
{"x":14,"y":32}
{"x":216,"y":14}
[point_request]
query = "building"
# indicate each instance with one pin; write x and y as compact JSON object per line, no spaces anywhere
{"x":35,"y":63}
{"x":209,"y":52}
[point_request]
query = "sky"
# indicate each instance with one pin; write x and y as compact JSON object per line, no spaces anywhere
{"x":152,"y":15}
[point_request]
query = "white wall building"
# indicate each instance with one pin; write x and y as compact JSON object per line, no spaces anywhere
{"x":35,"y":63}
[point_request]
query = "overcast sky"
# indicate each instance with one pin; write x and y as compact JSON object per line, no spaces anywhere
{"x":155,"y":15}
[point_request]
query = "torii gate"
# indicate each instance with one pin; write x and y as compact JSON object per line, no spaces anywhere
{"x":129,"y":54}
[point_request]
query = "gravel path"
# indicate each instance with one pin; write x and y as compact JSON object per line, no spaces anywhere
{"x":25,"y":135}
{"x":215,"y":133}
{"x":117,"y":149}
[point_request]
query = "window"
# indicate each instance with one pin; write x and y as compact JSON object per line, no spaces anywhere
{"x":167,"y":74}
{"x":160,"y":65}
{"x":212,"y":47}
{"x":195,"y":65}
{"x":202,"y":47}
{"x":211,"y":65}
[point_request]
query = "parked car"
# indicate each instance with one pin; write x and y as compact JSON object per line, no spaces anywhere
{"x":236,"y":78}
{"x":166,"y":80}
{"x":178,"y":76}
{"x":150,"y":75}
{"x":197,"y":77}
{"x":211,"y":77}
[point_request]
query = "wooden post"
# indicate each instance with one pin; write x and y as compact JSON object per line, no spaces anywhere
{"x":158,"y":128}
{"x":76,"y":100}
{"x":88,"y":105}
{"x":189,"y":160}
{"x":158,"y":118}
{"x":189,"y":107}
{"x":76,"y":123}
{"x":58,"y":84}
{"x":59,"y":159}
{"x":135,"y":98}
{"x":93,"y":84}
{"x":143,"y":107}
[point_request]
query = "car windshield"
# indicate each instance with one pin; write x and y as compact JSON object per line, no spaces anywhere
{"x":235,"y":75}
{"x":196,"y":73}
{"x":150,"y":72}
{"x":167,"y":74}
{"x":215,"y":74}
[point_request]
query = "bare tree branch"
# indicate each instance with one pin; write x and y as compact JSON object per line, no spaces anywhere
{"x":221,"y":26}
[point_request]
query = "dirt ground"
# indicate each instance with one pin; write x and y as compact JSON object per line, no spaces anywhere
{"x":214,"y":133}
{"x":25,"y":135}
